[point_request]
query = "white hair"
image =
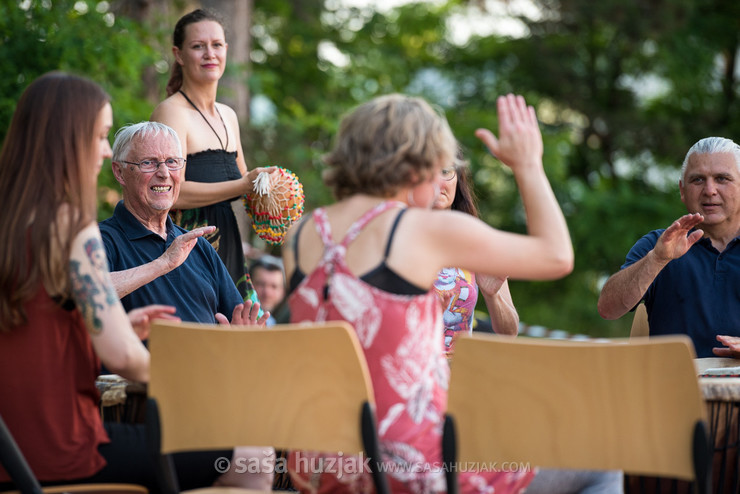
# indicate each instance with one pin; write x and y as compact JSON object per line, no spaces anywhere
{"x":711,"y":145}
{"x":126,"y":134}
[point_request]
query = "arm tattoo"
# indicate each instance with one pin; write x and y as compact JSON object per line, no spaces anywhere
{"x":89,"y":289}
{"x":96,"y":254}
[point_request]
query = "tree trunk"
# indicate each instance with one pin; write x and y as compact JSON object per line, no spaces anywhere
{"x":147,"y":12}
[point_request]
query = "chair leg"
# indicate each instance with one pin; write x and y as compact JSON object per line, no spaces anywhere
{"x":15,"y":463}
{"x":372,"y":449}
{"x":165,"y":467}
{"x":702,"y":453}
{"x":449,"y":454}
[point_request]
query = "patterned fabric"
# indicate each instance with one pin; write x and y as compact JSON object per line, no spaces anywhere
{"x":457,"y":290}
{"x":400,"y":338}
{"x":216,"y":165}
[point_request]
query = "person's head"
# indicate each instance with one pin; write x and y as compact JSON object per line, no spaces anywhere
{"x":456,"y":191}
{"x":53,"y":151}
{"x":148,"y":163}
{"x":268,"y":281}
{"x":710,"y":181}
{"x":199,"y":46}
{"x":386,"y":144}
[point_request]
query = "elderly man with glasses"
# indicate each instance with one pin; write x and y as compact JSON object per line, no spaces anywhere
{"x":151,"y":259}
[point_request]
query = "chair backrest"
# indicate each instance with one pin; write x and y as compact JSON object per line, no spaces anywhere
{"x":640,"y":326}
{"x":624,"y":405}
{"x":294,"y":387}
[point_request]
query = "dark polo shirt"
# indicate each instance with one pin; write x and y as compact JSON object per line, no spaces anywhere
{"x":697,"y":294}
{"x":198,"y":288}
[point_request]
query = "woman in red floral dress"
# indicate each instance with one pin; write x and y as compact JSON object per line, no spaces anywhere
{"x":372,"y":257}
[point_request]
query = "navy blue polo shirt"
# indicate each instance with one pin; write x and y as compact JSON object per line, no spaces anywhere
{"x":198,"y":288}
{"x":697,"y":294}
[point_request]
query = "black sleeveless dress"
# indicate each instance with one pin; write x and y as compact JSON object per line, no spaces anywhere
{"x":216,"y":165}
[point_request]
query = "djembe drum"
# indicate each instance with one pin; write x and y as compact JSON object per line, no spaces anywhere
{"x":121,"y":401}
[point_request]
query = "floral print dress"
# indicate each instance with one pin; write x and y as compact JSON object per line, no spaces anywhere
{"x":400,"y":338}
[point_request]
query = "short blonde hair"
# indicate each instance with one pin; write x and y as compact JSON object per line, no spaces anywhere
{"x":384,"y":144}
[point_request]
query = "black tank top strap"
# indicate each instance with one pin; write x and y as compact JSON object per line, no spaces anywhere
{"x":298,"y":234}
{"x":392,"y":233}
{"x":298,"y":275}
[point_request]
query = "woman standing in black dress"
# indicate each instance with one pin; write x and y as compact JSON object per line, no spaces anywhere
{"x":216,"y":172}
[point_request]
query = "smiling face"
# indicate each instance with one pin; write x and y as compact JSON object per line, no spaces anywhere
{"x":711,"y":186}
{"x":203,"y":52}
{"x":149,"y":196}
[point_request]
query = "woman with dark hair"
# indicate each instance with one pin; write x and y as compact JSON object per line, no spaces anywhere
{"x":458,"y":288}
{"x":59,"y":313}
{"x":216,"y":171}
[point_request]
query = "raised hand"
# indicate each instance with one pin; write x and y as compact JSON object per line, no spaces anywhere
{"x":519,"y":144}
{"x":246,"y":314}
{"x":141,"y":318}
{"x":675,"y":240}
{"x":181,"y":247}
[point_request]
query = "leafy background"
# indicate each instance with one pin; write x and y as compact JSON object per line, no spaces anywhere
{"x":622,"y":90}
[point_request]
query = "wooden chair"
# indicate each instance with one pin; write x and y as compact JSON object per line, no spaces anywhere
{"x":15,"y":464}
{"x":640,"y":326}
{"x":293,"y":387}
{"x":625,"y":405}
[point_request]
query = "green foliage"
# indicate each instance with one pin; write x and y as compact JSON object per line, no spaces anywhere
{"x":311,"y":93}
{"x":622,"y":90}
{"x":81,"y":37}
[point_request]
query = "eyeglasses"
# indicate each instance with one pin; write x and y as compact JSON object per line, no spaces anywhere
{"x":448,"y":173}
{"x":150,"y":166}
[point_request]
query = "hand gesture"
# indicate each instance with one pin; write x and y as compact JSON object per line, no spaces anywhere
{"x":675,"y":241}
{"x":141,"y":317}
{"x":519,"y":144}
{"x":181,"y":247}
{"x":245,"y":314}
{"x":732,"y":346}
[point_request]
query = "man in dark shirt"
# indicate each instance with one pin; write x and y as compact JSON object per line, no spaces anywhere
{"x":151,"y":259}
{"x":688,"y":274}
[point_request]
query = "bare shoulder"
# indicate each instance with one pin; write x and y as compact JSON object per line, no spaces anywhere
{"x":228,"y":114}
{"x":170,"y":110}
{"x":88,"y":233}
{"x":226,"y":110}
{"x":66,"y":215}
{"x":434,"y":221}
{"x":446,"y":229}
